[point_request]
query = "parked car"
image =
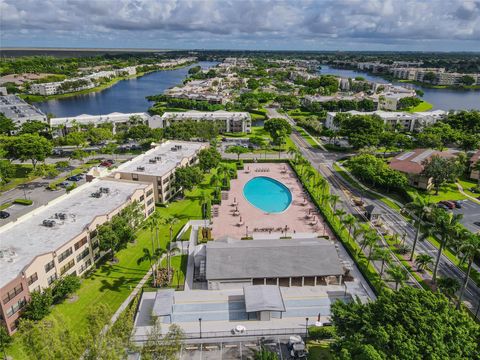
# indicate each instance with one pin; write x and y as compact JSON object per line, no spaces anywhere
{"x":4,"y":214}
{"x":477,"y":223}
{"x":458,"y":203}
{"x":105,"y":164}
{"x":297,"y":348}
{"x":449,"y":204}
{"x":442,"y":206}
{"x":74,"y":178}
{"x":64,"y":184}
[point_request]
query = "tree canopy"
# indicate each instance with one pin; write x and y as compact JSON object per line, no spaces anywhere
{"x":408,"y":324}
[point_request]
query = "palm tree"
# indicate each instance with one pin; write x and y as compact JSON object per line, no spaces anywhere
{"x":382,"y":254}
{"x":446,"y":225}
{"x":448,"y":286}
{"x":398,"y":275}
{"x":423,"y":261}
{"x":294,"y":152}
{"x":310,"y":175}
{"x":470,"y":248}
{"x":152,"y":226}
{"x":420,"y":207}
{"x":152,"y":258}
{"x":322,"y":184}
{"x":334,"y":199}
{"x":349,"y":221}
{"x":170,"y":221}
{"x":204,"y":203}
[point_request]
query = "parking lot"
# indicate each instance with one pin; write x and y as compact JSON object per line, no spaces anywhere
{"x":471,"y":214}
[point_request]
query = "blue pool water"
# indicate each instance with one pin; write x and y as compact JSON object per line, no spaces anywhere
{"x":267,"y":194}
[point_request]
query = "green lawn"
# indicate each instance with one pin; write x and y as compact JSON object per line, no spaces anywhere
{"x":319,"y":350}
{"x":307,"y":137}
{"x":447,"y":192}
{"x":423,"y":106}
{"x":111,"y":284}
{"x":468,"y":184}
{"x":22,"y":174}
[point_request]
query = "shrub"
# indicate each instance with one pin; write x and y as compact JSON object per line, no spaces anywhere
{"x":64,"y":287}
{"x":39,"y":305}
{"x":321,"y":332}
{"x":71,"y":187}
{"x":23,"y":201}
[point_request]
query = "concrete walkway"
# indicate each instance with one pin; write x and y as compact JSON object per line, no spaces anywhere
{"x":195,"y":224}
{"x":460,"y":188}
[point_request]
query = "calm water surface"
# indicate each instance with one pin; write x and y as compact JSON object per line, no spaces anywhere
{"x":125,"y":96}
{"x":443,"y":99}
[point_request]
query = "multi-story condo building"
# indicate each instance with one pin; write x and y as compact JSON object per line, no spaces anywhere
{"x":65,"y":124}
{"x":59,"y":239}
{"x":230,"y":122}
{"x":157,"y":166}
{"x":408,"y":121}
{"x":19,"y":111}
{"x":441,"y":77}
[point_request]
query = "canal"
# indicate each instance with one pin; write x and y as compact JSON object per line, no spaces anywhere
{"x":443,"y":99}
{"x":126,"y":96}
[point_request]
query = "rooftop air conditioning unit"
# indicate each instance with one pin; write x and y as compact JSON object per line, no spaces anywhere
{"x":61,"y":216}
{"x":104,"y":190}
{"x":48,"y":223}
{"x":141,"y":168}
{"x":152,"y":161}
{"x":173,"y":148}
{"x":96,"y":195}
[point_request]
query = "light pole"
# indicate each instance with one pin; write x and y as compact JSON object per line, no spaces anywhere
{"x":200,"y":325}
{"x":246,"y":231}
{"x":306,"y":330}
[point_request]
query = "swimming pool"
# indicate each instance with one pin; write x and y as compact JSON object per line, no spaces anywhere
{"x":267,"y":194}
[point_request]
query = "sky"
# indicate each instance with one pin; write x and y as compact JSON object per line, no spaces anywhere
{"x":378,"y":25}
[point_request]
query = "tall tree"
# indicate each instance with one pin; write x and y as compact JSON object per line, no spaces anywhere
{"x":470,"y":249}
{"x":152,"y":258}
{"x":31,"y":147}
{"x":441,"y":170}
{"x":420,"y":207}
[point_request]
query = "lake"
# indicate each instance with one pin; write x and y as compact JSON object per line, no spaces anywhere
{"x":443,"y":99}
{"x":126,"y":96}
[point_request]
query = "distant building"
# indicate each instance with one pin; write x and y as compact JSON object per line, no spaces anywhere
{"x":407,"y":121}
{"x":231,"y":122}
{"x":157,"y":166}
{"x":411,"y":164}
{"x":19,"y":111}
{"x":233,"y":263}
{"x":60,"y":239}
{"x":474,"y":174}
{"x":441,"y":77}
{"x":64,"y":124}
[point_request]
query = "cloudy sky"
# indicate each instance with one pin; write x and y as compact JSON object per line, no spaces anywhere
{"x":422,"y":25}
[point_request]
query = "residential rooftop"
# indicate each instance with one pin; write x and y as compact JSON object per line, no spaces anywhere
{"x":26,"y":238}
{"x":97,"y":119}
{"x":206,"y":115}
{"x":410,"y":162}
{"x":18,"y":110}
{"x":161,"y":159}
{"x":242,"y":259}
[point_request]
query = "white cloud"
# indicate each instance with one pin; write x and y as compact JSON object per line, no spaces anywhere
{"x":225,"y":23}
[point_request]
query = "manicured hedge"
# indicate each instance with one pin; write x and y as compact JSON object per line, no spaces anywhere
{"x":23,"y":201}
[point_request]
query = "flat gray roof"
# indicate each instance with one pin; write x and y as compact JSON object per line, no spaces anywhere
{"x":26,"y":238}
{"x":244,"y":259}
{"x":263,"y":298}
{"x":163,"y":304}
{"x":161,"y":159}
{"x":18,"y":110}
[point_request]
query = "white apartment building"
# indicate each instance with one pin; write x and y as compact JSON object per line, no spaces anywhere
{"x":408,"y":121}
{"x":231,"y":122}
{"x":441,"y":76}
{"x":157,"y":166}
{"x":64,"y":124}
{"x":60,"y":239}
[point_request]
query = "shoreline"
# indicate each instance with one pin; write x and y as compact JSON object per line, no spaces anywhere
{"x":32,"y":99}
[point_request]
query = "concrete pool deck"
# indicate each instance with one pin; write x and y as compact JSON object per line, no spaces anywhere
{"x":260,"y":224}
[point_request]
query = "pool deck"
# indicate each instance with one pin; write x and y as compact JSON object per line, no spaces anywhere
{"x":225,"y":222}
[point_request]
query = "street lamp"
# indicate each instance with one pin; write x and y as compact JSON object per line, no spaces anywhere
{"x":200,"y":325}
{"x":306,"y":330}
{"x":246,"y":231}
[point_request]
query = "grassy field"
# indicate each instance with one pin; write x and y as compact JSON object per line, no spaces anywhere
{"x":423,"y":106}
{"x":259,"y":131}
{"x":22,"y":174}
{"x":319,"y":350}
{"x":111,"y":284}
{"x":447,"y":192}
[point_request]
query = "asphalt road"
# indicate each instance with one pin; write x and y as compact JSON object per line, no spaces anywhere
{"x":323,"y":161}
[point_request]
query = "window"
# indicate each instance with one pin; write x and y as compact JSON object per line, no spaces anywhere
{"x":52,"y":278}
{"x":31,"y":279}
{"x":67,"y":267}
{"x":12,"y":293}
{"x":85,"y":266}
{"x":151,"y":210}
{"x":165,"y":180}
{"x":95,"y":245}
{"x":14,"y":308}
{"x":149,"y":201}
{"x":93,"y":234}
{"x":49,"y":266}
{"x":83,"y":254}
{"x":65,"y":254}
{"x":142,"y":198}
{"x":149,"y":192}
{"x":135,"y":177}
{"x":79,"y":244}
